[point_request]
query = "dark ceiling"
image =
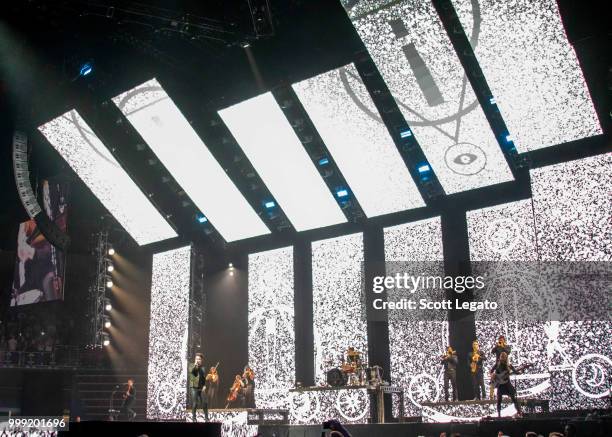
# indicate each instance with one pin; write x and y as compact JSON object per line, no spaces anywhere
{"x":42,"y":45}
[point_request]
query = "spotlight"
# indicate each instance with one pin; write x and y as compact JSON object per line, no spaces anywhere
{"x":492,"y":101}
{"x":107,"y":322}
{"x":107,"y":304}
{"x":405,"y":133}
{"x":342,"y":192}
{"x":86,"y":69}
{"x":509,"y":138}
{"x":323,"y":161}
{"x":270,"y":204}
{"x":201,"y":218}
{"x":111,"y":251}
{"x":230,"y":265}
{"x":110,"y":268}
{"x":105,"y":339}
{"x":423,"y":168}
{"x":109,"y":284}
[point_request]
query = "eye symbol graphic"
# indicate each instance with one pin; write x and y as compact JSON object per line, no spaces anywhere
{"x":465,"y":158}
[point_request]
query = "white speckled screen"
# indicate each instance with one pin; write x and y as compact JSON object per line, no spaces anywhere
{"x":268,"y":140}
{"x":359,"y":143}
{"x":569,"y":219}
{"x":573,"y":215}
{"x":272,"y":326}
{"x":417,"y":61}
{"x":107,"y":180}
{"x":338,"y":303}
{"x":348,"y":405}
{"x":179,"y":148}
{"x":532,"y":70}
{"x":168,"y":333}
{"x":416,"y":345}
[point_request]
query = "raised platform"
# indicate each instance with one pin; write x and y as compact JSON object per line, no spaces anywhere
{"x":465,"y":411}
{"x":512,"y":427}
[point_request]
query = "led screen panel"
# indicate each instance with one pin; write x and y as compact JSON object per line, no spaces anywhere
{"x":532,"y":70}
{"x":573,"y":216}
{"x":99,"y":170}
{"x":416,"y":345}
{"x":573,"y":209}
{"x":313,"y":407}
{"x":168,"y":335}
{"x":170,"y":136}
{"x":504,"y":237}
{"x":338,"y":302}
{"x":272,"y":326}
{"x":412,"y":51}
{"x":278,"y":156}
{"x":359,"y":144}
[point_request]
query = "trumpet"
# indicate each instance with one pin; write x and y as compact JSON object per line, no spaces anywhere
{"x":474,"y":362}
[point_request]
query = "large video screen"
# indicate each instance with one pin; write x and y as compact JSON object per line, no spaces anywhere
{"x":168,"y":334}
{"x":40,"y":266}
{"x":272,"y":326}
{"x":568,"y":220}
{"x":532,"y":70}
{"x":416,"y":59}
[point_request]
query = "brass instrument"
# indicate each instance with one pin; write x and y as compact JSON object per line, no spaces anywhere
{"x":474,"y":363}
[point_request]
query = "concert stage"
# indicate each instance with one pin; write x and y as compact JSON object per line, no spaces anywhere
{"x":485,"y":428}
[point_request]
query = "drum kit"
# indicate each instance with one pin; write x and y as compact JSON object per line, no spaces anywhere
{"x":353,"y":372}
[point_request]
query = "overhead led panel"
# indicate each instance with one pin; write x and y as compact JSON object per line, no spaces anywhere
{"x":360,"y":144}
{"x":338,"y":302}
{"x":160,"y":123}
{"x":99,"y":170}
{"x":269,"y":142}
{"x":168,"y":334}
{"x":532,"y":70}
{"x":417,"y":61}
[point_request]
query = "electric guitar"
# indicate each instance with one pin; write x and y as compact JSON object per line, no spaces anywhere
{"x":498,"y":379}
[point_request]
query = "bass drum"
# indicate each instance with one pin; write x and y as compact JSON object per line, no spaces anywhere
{"x":336,"y":378}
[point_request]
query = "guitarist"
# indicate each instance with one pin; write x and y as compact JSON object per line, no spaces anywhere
{"x":500,"y":377}
{"x":500,"y":347}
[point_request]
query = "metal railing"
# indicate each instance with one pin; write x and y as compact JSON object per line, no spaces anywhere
{"x":60,"y":356}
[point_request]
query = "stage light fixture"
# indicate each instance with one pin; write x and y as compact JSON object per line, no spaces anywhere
{"x":86,"y":69}
{"x":405,"y":133}
{"x":107,"y":304}
{"x":230,"y":265}
{"x":111,"y":251}
{"x":342,"y":193}
{"x":509,"y":138}
{"x":107,"y":322}
{"x":270,"y":204}
{"x":201,"y":218}
{"x":109,"y":284}
{"x":323,"y":161}
{"x":110,"y":268}
{"x":423,"y":168}
{"x":106,"y":342}
{"x":492,"y":101}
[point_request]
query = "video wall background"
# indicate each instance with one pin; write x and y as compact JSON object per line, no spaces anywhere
{"x":39,"y":274}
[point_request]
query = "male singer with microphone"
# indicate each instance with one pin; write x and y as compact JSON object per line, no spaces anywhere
{"x":197,"y":382}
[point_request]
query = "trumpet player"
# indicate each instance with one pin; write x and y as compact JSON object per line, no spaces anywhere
{"x":449,"y":361}
{"x":477,"y":358}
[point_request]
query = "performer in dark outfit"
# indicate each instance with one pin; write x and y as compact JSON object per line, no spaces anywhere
{"x":500,"y":376}
{"x":197,"y":383}
{"x":129,"y":397}
{"x":212,"y":386}
{"x":500,"y":346}
{"x":449,"y":360}
{"x":476,"y":359}
{"x":248,"y":379}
